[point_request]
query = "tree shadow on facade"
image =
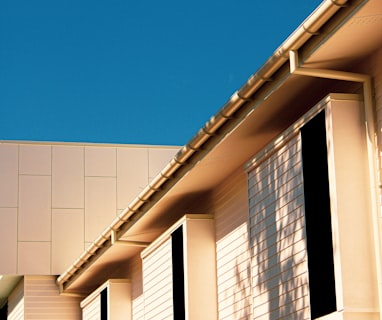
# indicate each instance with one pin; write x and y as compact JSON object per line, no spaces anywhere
{"x":277,"y":236}
{"x":242,"y":294}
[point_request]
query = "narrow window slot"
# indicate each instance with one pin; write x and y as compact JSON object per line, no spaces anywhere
{"x":318,"y":217}
{"x":104,"y":306}
{"x":178,"y":273}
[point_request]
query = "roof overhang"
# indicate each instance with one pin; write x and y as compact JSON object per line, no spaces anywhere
{"x":332,"y":37}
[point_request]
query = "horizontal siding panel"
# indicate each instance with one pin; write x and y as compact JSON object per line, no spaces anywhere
{"x":289,"y":216}
{"x":234,"y":275}
{"x":153,"y":283}
{"x":229,"y":274}
{"x":286,"y":215}
{"x":283,"y":151}
{"x":42,"y":308}
{"x":238,"y":235}
{"x":284,"y":279}
{"x":232,"y":248}
{"x":230,"y":204}
{"x":299,"y":258}
{"x":43,"y":301}
{"x":285,"y":207}
{"x":287,"y":175}
{"x":278,"y":243}
{"x":275,"y":163}
{"x":285,"y":298}
{"x":160,"y":314}
{"x":162,"y":284}
{"x":277,"y":235}
{"x":227,"y":224}
{"x":283,"y":304}
{"x":274,"y":259}
{"x":93,"y":310}
{"x":273,"y":246}
{"x":240,"y":307}
{"x":157,"y":254}
{"x":158,"y":296}
{"x":269,"y":196}
{"x":227,"y":299}
{"x":157,"y":283}
{"x":240,"y":251}
{"x":48,"y":317}
{"x":293,"y":310}
{"x":138,"y":308}
{"x":153,"y":275}
{"x":237,"y":248}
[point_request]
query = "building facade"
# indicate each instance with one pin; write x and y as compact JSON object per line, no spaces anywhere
{"x":271,"y":211}
{"x":56,"y":198}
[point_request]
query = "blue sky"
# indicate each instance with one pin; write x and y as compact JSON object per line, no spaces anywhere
{"x":137,"y":72}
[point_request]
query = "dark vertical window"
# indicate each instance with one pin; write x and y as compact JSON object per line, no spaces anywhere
{"x":178,"y":274}
{"x":318,"y":217}
{"x":104,"y":304}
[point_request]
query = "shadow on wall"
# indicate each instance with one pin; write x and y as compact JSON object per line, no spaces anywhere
{"x":242,"y":293}
{"x":232,"y":247}
{"x":277,"y":236}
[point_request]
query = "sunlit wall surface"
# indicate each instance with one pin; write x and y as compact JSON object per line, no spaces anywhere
{"x":55,"y":199}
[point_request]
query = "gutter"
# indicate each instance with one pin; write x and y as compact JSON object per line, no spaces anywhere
{"x":192,"y":151}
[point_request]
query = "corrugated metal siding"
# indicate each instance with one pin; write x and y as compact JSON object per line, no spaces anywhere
{"x":277,"y":235}
{"x":157,"y":283}
{"x":16,"y":303}
{"x":92,"y":311}
{"x":43,"y":301}
{"x":232,"y":249}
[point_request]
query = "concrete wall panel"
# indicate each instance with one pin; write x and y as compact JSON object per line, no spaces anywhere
{"x":9,"y":159}
{"x":68,"y":177}
{"x":35,"y":208}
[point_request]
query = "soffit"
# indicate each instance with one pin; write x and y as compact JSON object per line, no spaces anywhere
{"x":356,"y":38}
{"x":111,"y":264}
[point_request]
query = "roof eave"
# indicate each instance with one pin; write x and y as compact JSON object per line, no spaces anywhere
{"x":207,"y":138}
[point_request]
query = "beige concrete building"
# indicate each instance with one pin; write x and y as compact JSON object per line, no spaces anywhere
{"x":271,"y":211}
{"x":56,"y":198}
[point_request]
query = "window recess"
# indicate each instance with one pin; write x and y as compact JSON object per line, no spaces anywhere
{"x":318,"y":217}
{"x":332,"y":226}
{"x":111,"y":301}
{"x":350,"y":206}
{"x":179,"y":271}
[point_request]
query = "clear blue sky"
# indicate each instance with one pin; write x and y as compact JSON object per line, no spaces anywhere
{"x":123,"y":71}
